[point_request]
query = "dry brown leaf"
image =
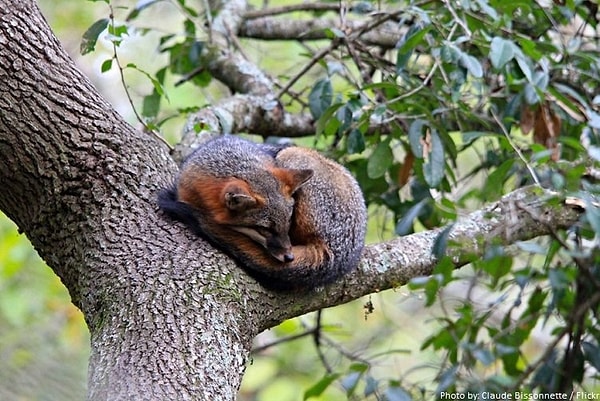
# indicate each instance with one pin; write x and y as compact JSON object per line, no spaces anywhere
{"x":527,"y":118}
{"x":546,"y":129}
{"x":406,"y":170}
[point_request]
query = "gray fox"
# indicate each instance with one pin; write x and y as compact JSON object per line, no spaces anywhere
{"x":291,"y":217}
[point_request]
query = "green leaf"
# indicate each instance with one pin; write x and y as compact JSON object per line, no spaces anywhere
{"x":355,"y":142}
{"x":396,"y":394}
{"x":484,"y":356}
{"x":443,"y":339}
{"x":529,"y":48}
{"x":415,"y":137}
{"x":444,"y":269}
{"x":381,"y":159}
{"x":452,"y":53}
{"x":332,"y":33}
{"x":441,"y":242}
{"x":185,"y":57}
{"x":594,"y":119}
{"x":447,"y":209}
{"x":447,"y":379}
{"x":317,"y":389}
{"x":413,"y":37}
{"x":155,"y":81}
{"x":90,"y":37}
{"x":359,"y":367}
{"x":370,"y":387}
{"x":487,"y":9}
{"x":116,"y":33}
{"x":501,"y":52}
{"x":526,"y":69}
{"x":151,"y":104}
{"x":541,"y":80}
{"x":139,"y":7}
{"x":117,"y":30}
{"x":433,"y":169}
{"x":531,"y":247}
{"x":471,"y":64}
{"x":320,"y":98}
{"x":592,"y":354}
{"x":106,"y":65}
{"x":407,"y":44}
{"x":405,"y":224}
{"x":593,"y":215}
{"x":494,"y":185}
{"x":496,"y":263}
{"x":471,"y":136}
{"x":324,"y":122}
{"x":402,"y":60}
{"x":432,"y":289}
{"x":350,"y":381}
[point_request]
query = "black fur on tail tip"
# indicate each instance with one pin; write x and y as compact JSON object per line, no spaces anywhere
{"x":168,"y":203}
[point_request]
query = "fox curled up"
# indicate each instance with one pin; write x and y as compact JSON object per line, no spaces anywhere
{"x":291,"y":217}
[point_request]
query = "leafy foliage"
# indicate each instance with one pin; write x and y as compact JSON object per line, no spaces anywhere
{"x":39,"y":327}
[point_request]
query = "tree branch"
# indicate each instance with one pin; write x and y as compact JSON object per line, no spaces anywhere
{"x":309,"y":7}
{"x":255,"y":108}
{"x":385,"y":36}
{"x":521,"y":215}
{"x":252,"y":114}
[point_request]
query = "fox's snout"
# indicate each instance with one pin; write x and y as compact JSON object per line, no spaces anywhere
{"x":280,"y":249}
{"x":284,"y":256}
{"x":278,"y":246}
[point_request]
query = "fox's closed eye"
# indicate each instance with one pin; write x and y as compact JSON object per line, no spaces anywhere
{"x":293,"y":218}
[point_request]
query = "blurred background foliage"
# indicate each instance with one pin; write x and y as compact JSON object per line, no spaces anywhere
{"x":475,"y":99}
{"x":44,"y":343}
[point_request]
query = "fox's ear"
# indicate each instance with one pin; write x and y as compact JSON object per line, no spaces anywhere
{"x":292,"y":179}
{"x":237,"y":198}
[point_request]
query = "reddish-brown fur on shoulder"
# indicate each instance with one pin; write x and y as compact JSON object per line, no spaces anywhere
{"x":302,"y":230}
{"x":291,"y":179}
{"x":207,"y":193}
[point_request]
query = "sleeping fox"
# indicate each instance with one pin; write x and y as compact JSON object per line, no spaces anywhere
{"x":292,"y":218}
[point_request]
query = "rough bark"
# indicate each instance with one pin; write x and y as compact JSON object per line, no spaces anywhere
{"x":385,"y":36}
{"x":170,"y":318}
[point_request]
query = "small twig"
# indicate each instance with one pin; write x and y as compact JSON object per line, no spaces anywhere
{"x":126,"y":89}
{"x":209,"y":21}
{"x":262,"y":348}
{"x":516,"y":149}
{"x":347,"y":354}
{"x":317,"y":340}
{"x":318,"y":56}
{"x":413,"y":91}
{"x":572,"y":319}
{"x":196,"y":71}
{"x":232,"y":36}
{"x":309,"y":7}
{"x":429,"y":76}
{"x":457,"y":19}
